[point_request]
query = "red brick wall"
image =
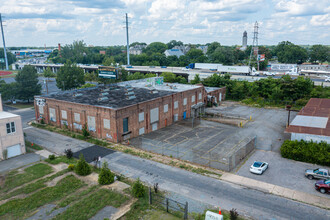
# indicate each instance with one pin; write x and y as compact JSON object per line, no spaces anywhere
{"x":116,"y":116}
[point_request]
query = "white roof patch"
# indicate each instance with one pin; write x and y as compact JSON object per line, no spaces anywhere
{"x":7,"y":115}
{"x":310,"y":121}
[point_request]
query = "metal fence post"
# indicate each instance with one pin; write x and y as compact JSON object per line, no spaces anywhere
{"x":150,"y":196}
{"x":166,"y":204}
{"x":186,"y":211}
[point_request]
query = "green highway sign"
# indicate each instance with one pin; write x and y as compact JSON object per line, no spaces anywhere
{"x":107,"y":74}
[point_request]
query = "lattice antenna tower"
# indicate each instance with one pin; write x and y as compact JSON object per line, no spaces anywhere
{"x":4,"y":44}
{"x":255,"y":43}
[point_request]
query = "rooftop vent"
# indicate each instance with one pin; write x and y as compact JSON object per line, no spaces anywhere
{"x":131,"y":97}
{"x":77,"y":95}
{"x":105,"y":90}
{"x":104,"y":93}
{"x":103,"y":99}
{"x":130,"y":93}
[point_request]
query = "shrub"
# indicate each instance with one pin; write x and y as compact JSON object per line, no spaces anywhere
{"x":51,"y":157}
{"x":233,"y":214}
{"x":82,"y":168}
{"x":42,"y":121}
{"x":106,"y":176}
{"x":69,"y":153}
{"x":71,"y":167}
{"x":310,"y":152}
{"x":85,"y":131}
{"x":138,"y":189}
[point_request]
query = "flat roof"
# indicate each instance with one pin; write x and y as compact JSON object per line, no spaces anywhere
{"x":313,"y":118}
{"x":4,"y":115}
{"x":111,"y":97}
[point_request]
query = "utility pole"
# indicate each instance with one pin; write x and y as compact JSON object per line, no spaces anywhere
{"x":255,"y":43}
{"x":4,"y":45}
{"x":127,"y":40}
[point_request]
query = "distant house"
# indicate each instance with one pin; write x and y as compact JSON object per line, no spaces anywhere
{"x":184,"y":49}
{"x":312,"y":122}
{"x":137,"y":49}
{"x":203,"y":48}
{"x":11,"y":135}
{"x":173,"y":52}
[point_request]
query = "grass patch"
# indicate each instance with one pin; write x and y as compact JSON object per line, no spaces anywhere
{"x":61,"y":159}
{"x":36,"y":171}
{"x":155,"y":214}
{"x":34,"y":186}
{"x":19,"y":208}
{"x":76,"y":197}
{"x":89,"y":206}
{"x":34,"y":146}
{"x":139,"y":154}
{"x":72,"y":134}
{"x":21,"y":105}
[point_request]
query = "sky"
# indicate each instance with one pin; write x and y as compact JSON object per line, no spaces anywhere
{"x":102,"y":22}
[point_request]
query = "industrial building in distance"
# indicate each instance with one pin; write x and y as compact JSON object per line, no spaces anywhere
{"x":121,"y":111}
{"x":312,"y":122}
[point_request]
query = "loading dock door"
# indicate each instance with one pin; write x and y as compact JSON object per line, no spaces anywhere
{"x":14,"y":151}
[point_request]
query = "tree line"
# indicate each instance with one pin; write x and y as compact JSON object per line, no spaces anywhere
{"x":153,"y":54}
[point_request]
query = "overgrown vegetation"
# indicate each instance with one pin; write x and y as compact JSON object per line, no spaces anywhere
{"x":33,"y":145}
{"x":89,"y":206}
{"x":14,"y":179}
{"x":18,"y":208}
{"x":305,"y":151}
{"x":269,"y":91}
{"x":61,"y":159}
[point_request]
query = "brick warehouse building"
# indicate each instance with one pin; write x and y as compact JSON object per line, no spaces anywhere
{"x":124,"y":110}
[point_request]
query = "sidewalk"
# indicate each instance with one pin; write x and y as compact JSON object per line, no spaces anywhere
{"x":277,"y":190}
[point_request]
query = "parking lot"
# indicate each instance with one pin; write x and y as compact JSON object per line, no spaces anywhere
{"x":267,"y":124}
{"x":282,"y":172}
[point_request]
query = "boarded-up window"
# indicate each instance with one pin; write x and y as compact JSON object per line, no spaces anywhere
{"x":41,"y":109}
{"x":154,"y":126}
{"x":52,"y":114}
{"x":165,"y":108}
{"x":176,"y":117}
{"x":77,"y":117}
{"x":141,"y":131}
{"x":176,"y":104}
{"x":64,"y":114}
{"x":141,"y":116}
{"x":193,"y":98}
{"x":154,"y":115}
{"x":91,"y":123}
{"x":106,"y":123}
{"x":185,"y":101}
{"x":125,"y":125}
{"x":200,"y":96}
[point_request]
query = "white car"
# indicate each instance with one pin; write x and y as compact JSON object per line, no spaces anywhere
{"x":258,"y":167}
{"x":327,"y":79}
{"x":269,"y":73}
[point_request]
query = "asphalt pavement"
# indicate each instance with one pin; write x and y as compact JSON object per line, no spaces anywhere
{"x":19,"y":161}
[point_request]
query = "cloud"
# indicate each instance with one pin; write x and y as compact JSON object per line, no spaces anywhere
{"x":301,"y":7}
{"x":102,"y":4}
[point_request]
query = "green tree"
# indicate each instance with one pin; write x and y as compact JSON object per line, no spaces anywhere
{"x":48,"y":73}
{"x":174,"y":43}
{"x":196,"y":56}
{"x":82,"y":168}
{"x":181,"y":79}
{"x":169,"y":77}
{"x":135,"y":76}
{"x":212,"y":47}
{"x":287,"y":52}
{"x":27,"y":83}
{"x":123,"y":74}
{"x":106,"y":177}
{"x":319,"y":53}
{"x":8,"y":90}
{"x":138,"y":189}
{"x":196,"y":79}
{"x":11,"y":57}
{"x":70,"y":76}
{"x":155,"y":47}
{"x":109,"y":61}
